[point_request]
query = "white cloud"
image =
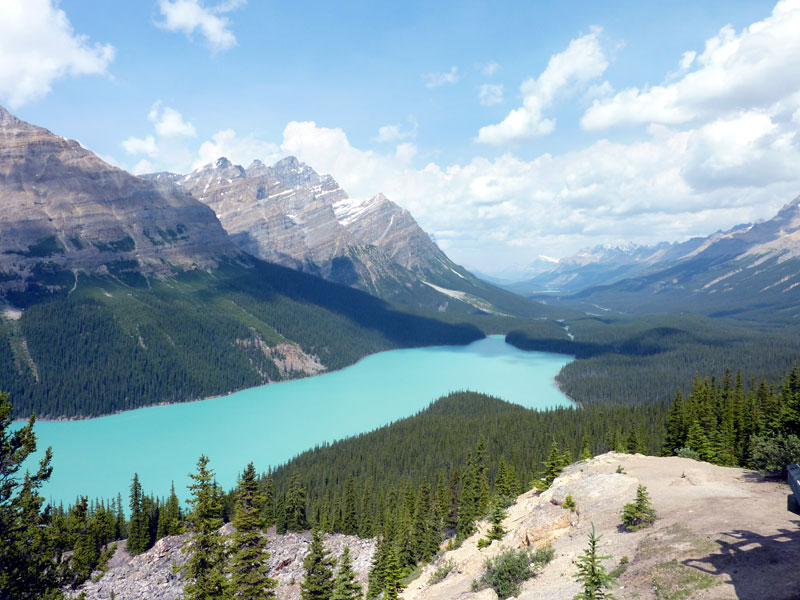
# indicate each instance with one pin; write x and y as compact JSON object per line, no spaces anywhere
{"x":500,"y":211}
{"x":142,"y":167}
{"x":396,"y":133}
{"x":490,"y":69}
{"x":490,"y":95}
{"x":239,"y":150}
{"x":189,"y":16}
{"x":38,"y":46}
{"x":753,"y":69}
{"x":433,"y":80}
{"x":169,"y":122}
{"x":567,"y":72}
{"x":146,"y":145}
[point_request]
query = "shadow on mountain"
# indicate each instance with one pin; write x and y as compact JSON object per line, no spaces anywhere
{"x":758,"y":566}
{"x":265,"y":280}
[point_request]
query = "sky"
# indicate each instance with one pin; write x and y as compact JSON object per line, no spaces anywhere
{"x":510,"y":130}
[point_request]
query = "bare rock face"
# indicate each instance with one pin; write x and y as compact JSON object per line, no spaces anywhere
{"x":152,"y":576}
{"x":64,"y":209}
{"x":291,"y":215}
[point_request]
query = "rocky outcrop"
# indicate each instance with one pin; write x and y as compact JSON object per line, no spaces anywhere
{"x":64,"y":209}
{"x":156,"y":574}
{"x":721,"y":533}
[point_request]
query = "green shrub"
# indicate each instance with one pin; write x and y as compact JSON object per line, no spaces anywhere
{"x":687,"y":453}
{"x":506,"y":572}
{"x":569,"y":503}
{"x":775,"y":453}
{"x":441,"y":572}
{"x":639,"y":513}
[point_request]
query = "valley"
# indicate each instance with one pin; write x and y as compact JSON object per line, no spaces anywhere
{"x":412,"y":301}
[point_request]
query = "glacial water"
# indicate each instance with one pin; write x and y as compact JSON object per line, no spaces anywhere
{"x":272,"y":423}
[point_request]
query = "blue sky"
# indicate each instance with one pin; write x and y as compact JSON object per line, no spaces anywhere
{"x":508,"y":129}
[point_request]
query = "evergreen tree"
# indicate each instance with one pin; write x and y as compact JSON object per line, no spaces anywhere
{"x":349,"y":508}
{"x":169,"y":517}
{"x":345,"y":585}
{"x":205,"y":567}
{"x":553,"y":465}
{"x":248,"y":569}
{"x":318,"y":582}
{"x":377,"y":570}
{"x":30,"y":566}
{"x":392,"y":575}
{"x":269,"y":501}
{"x":120,"y":526}
{"x":295,"y":507}
{"x":138,"y":526}
{"x":496,"y":519}
{"x":586,"y":453}
{"x":592,"y":575}
{"x":639,"y":513}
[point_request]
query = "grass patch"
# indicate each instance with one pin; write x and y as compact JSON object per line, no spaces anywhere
{"x":673,"y":580}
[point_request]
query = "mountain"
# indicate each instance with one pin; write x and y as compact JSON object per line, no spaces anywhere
{"x":118,"y":292}
{"x":750,"y":271}
{"x":290,"y":215}
{"x":605,"y":264}
{"x":65,"y":210}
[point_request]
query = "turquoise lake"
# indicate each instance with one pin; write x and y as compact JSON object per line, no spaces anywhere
{"x":272,"y":423}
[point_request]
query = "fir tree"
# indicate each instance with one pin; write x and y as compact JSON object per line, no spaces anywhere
{"x":318,"y":582}
{"x":639,"y":513}
{"x":592,"y":575}
{"x":30,"y":550}
{"x":392,"y":574}
{"x":204,"y":569}
{"x":586,"y":453}
{"x":349,"y":508}
{"x":269,"y":501}
{"x":295,"y":506}
{"x":377,"y":568}
{"x":138,"y":526}
{"x":496,"y":519}
{"x":248,"y":567}
{"x":345,"y":585}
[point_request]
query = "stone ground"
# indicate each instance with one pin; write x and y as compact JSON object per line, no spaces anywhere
{"x":722,"y":533}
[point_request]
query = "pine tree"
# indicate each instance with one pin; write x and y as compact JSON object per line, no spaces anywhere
{"x":392,"y":575}
{"x":592,"y":575}
{"x":553,"y":465}
{"x":138,"y":526}
{"x":204,"y":569}
{"x":377,"y":568}
{"x":120,"y":527}
{"x":586,"y":453}
{"x":349,"y":508}
{"x":496,"y":519}
{"x":30,"y":566}
{"x":295,"y":507}
{"x":345,"y":585}
{"x":269,"y":501}
{"x":318,"y":582}
{"x":639,"y":513}
{"x":248,"y":567}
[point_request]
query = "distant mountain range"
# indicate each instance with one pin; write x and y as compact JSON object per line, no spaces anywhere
{"x":752,"y":271}
{"x":290,"y":215}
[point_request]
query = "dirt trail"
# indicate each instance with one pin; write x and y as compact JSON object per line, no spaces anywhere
{"x":722,"y":533}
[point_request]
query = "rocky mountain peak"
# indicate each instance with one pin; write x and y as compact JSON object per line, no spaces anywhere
{"x":257,"y":169}
{"x":293,"y":173}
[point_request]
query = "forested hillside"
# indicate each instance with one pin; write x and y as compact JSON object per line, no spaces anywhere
{"x":629,"y":360}
{"x":113,"y":345}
